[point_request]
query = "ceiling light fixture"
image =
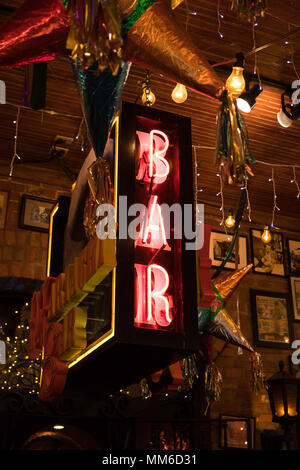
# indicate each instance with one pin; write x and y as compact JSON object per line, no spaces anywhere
{"x":179,"y":93}
{"x":247,"y":100}
{"x":235,"y":83}
{"x":266,"y":236}
{"x":230,"y":221}
{"x":289,"y":112}
{"x":148,"y":97}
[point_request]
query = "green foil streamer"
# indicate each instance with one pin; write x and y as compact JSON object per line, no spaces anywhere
{"x":141,"y":7}
{"x":207,"y":315}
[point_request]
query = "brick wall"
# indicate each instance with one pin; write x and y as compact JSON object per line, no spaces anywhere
{"x":237,"y":398}
{"x":23,"y":253}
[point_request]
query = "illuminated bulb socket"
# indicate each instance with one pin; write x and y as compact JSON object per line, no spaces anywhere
{"x":230,"y":221}
{"x":179,"y":93}
{"x":148,"y":97}
{"x":235,"y":83}
{"x":266,"y":236}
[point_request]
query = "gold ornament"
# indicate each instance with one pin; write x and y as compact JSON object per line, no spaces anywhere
{"x":95,"y":33}
{"x":100,"y":192}
{"x":257,"y":376}
{"x":213,"y":384}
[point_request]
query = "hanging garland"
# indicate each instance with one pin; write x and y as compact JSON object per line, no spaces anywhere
{"x":213,"y":384}
{"x":257,"y":376}
{"x":189,"y":371}
{"x":232,"y":142}
{"x":238,"y":220}
{"x":249,"y":8}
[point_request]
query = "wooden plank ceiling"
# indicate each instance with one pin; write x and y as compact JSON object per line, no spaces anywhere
{"x":269,"y":142}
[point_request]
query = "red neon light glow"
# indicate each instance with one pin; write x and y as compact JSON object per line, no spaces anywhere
{"x":152,"y":164}
{"x":157,"y":285}
{"x":154,"y":224}
{"x":152,"y":307}
{"x":158,"y":155}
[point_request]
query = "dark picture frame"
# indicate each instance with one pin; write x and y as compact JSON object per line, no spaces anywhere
{"x":267,"y":258}
{"x":34,"y":213}
{"x":219,"y":245}
{"x":3,"y":208}
{"x":295,"y":293}
{"x":272,"y":319}
{"x":237,"y":432}
{"x":293,"y":249}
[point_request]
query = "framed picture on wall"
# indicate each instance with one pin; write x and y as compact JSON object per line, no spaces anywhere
{"x":271,"y":312}
{"x":294,"y":257}
{"x":295,"y":290}
{"x":3,"y":208}
{"x":34,"y":213}
{"x":219,"y":244}
{"x":267,"y":258}
{"x":236,"y":432}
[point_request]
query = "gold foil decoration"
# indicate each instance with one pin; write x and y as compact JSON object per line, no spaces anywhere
{"x":127,"y":7}
{"x":100,"y":192}
{"x":213,"y":384}
{"x":257,"y":376}
{"x":247,"y":9}
{"x":234,"y":164}
{"x":95,"y":33}
{"x":145,"y":389}
{"x":158,"y":43}
{"x":175,"y":3}
{"x":223,"y":326}
{"x":227,"y":286}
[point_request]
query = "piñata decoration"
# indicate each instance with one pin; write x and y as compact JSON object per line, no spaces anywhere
{"x":35,"y":33}
{"x":155,"y":41}
{"x":215,"y":320}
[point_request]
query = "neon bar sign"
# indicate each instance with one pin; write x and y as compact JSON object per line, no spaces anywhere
{"x":155,"y":283}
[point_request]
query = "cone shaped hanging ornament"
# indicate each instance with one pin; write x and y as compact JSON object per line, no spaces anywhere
{"x":156,"y":42}
{"x":223,"y":327}
{"x":37,"y":31}
{"x":215,"y":320}
{"x":228,"y":285}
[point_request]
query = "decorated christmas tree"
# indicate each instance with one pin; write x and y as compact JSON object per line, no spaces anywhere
{"x":17,"y":370}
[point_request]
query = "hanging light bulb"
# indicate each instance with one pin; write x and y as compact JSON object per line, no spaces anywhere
{"x":247,"y":100}
{"x":148,"y":97}
{"x":179,"y":93}
{"x":266,"y":236}
{"x":230,"y":221}
{"x":235,"y":83}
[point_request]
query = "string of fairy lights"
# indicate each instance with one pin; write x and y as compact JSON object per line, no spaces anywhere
{"x":19,"y":372}
{"x":228,"y":222}
{"x":81,"y":134}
